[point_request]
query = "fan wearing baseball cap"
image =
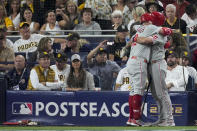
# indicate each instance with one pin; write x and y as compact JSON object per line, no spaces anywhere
{"x":79,"y":78}
{"x":62,"y":68}
{"x":75,"y":44}
{"x":177,"y":75}
{"x":115,"y":50}
{"x":103,"y":68}
{"x":186,"y":63}
{"x":42,"y":77}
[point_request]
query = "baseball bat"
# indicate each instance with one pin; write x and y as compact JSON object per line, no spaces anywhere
{"x":146,"y":94}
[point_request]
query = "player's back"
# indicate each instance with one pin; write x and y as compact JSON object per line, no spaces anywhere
{"x":139,"y":50}
{"x":157,"y":49}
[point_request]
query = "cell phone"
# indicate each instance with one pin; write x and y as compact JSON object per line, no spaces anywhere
{"x":110,"y":43}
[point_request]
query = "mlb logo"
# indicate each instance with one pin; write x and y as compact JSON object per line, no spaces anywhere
{"x":23,"y":108}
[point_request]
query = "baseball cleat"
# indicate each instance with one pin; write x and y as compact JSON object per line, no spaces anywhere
{"x":166,"y":123}
{"x":133,"y":122}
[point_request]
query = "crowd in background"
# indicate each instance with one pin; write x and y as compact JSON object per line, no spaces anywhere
{"x":40,"y":66}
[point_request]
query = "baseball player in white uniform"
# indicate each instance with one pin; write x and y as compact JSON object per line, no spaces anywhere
{"x":157,"y":69}
{"x":123,"y":81}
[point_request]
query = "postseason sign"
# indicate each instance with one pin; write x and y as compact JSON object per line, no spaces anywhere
{"x":68,"y":108}
{"x":88,"y":108}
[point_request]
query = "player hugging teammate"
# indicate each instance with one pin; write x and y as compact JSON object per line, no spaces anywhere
{"x":147,"y":57}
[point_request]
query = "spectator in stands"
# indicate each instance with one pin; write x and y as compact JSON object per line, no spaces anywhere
{"x":6,"y":54}
{"x":117,"y":19}
{"x":42,"y":77}
{"x":79,"y":78}
{"x":103,"y":68}
{"x":177,"y":76}
{"x":123,"y":81}
{"x":44,"y":45}
{"x":172,"y":21}
{"x":14,"y":13}
{"x":190,"y":17}
{"x":153,"y":6}
{"x":61,"y":68}
{"x":87,"y":24}
{"x":180,"y":7}
{"x":73,"y":15}
{"x":121,"y":5}
{"x":137,"y":12}
{"x":115,"y":49}
{"x":26,"y":15}
{"x":29,"y":42}
{"x":18,"y":77}
{"x":4,"y":20}
{"x":127,"y":13}
{"x":144,"y":2}
{"x":52,"y":26}
{"x":186,"y":62}
{"x":177,"y":42}
{"x":101,"y":11}
{"x":74,"y":45}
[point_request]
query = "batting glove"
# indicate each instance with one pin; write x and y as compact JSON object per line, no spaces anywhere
{"x":134,"y":39}
{"x":166,"y":31}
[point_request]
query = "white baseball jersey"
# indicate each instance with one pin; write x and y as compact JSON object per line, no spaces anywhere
{"x":177,"y":77}
{"x":62,"y":75}
{"x":124,"y":79}
{"x":29,"y":45}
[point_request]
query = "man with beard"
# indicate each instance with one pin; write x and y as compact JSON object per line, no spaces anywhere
{"x":177,"y":76}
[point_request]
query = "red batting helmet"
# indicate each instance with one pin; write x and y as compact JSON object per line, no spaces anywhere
{"x":146,"y":17}
{"x":158,"y":18}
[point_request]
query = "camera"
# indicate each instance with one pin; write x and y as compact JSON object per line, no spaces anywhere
{"x":110,"y":43}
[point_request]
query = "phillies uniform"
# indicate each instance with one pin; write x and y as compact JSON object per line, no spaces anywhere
{"x":138,"y":59}
{"x":29,"y":45}
{"x":157,"y":69}
{"x":137,"y":68}
{"x":124,"y":79}
{"x":62,"y":75}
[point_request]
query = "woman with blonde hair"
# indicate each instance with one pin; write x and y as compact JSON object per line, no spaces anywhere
{"x":4,"y":20}
{"x":44,"y":45}
{"x":73,"y":15}
{"x":137,"y":12}
{"x":117,"y":19}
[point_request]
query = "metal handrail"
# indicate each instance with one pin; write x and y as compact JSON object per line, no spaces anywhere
{"x":62,"y":36}
{"x":71,"y":31}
